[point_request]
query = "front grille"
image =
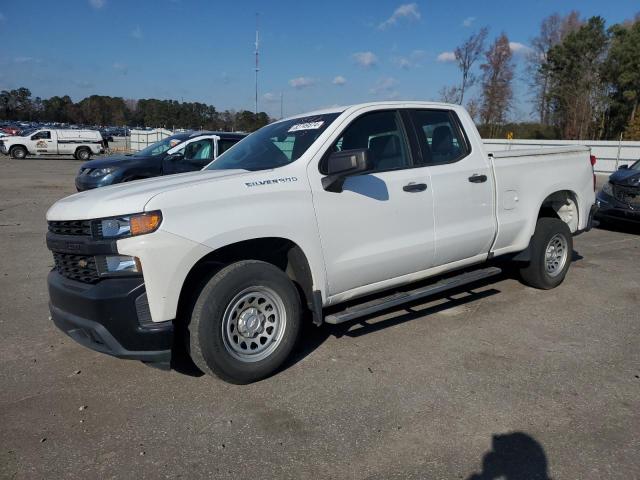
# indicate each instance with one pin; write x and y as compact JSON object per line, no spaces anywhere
{"x":628,"y":195}
{"x":71,"y":227}
{"x":76,"y":267}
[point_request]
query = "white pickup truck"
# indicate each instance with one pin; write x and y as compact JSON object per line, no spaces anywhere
{"x":45,"y":141}
{"x":347,"y":204}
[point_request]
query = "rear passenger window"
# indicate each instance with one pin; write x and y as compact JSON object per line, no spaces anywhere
{"x":382,"y":135}
{"x":439,"y":135}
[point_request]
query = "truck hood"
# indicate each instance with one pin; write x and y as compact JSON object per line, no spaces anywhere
{"x":130,"y":197}
{"x":626,"y":177}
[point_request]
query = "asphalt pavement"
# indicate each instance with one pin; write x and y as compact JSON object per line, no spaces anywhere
{"x":498,"y":381}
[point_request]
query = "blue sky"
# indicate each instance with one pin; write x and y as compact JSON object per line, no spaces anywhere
{"x":316,"y":53}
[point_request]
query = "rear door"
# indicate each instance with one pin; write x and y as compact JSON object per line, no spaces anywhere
{"x":462,"y":186}
{"x":225,"y":144}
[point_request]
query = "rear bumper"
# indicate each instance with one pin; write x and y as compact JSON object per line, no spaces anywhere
{"x":111,"y":317}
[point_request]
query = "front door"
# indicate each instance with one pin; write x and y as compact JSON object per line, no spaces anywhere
{"x":195,"y":156}
{"x":380,"y":226}
{"x":43,"y":143}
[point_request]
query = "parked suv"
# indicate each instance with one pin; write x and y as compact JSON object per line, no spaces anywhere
{"x":183,"y":152}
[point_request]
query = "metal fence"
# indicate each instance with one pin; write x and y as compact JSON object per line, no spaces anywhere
{"x":610,"y":154}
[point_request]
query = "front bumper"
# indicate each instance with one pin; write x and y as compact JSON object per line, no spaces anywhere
{"x":610,"y":208}
{"x":111,"y":317}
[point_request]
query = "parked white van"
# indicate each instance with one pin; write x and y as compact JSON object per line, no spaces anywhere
{"x":44,"y":141}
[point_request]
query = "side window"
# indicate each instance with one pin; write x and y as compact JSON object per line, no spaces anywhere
{"x":381,"y":133}
{"x":439,"y":135}
{"x":42,"y":136}
{"x":199,"y":151}
{"x":225,"y":144}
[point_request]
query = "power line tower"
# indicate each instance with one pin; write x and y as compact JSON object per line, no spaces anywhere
{"x":257,"y":60}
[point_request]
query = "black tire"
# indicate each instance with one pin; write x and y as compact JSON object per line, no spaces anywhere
{"x":211,"y":346}
{"x":83,"y":154}
{"x":18,"y":152}
{"x":540,"y":272}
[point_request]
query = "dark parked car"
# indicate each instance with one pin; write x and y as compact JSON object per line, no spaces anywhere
{"x":183,"y":152}
{"x":619,"y":198}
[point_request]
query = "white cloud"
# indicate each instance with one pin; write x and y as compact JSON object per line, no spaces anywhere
{"x":410,"y":11}
{"x":302,"y":82}
{"x":137,"y":32}
{"x":365,"y":59}
{"x":519,"y":48}
{"x":467,"y":22}
{"x":270,"y":97}
{"x":339,"y":80}
{"x":26,"y":60}
{"x":97,"y":4}
{"x":410,"y":61}
{"x":384,"y":85}
{"x":447,"y":57}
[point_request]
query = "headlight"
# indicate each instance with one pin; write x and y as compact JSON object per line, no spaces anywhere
{"x":131,"y":225}
{"x":101,"y":172}
{"x":607,"y":188}
{"x":114,"y":265}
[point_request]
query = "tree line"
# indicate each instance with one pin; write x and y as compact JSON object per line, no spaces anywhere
{"x":103,"y":110}
{"x":584,"y":80}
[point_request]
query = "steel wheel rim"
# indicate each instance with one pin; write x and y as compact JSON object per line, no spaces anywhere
{"x":19,"y":153}
{"x":556,"y":255}
{"x":253,"y":324}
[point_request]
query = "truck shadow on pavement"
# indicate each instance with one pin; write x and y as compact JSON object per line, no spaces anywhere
{"x":313,"y":337}
{"x":514,"y":456}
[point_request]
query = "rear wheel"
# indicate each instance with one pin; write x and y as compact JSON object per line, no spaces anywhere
{"x":551,"y":250}
{"x":18,"y":152}
{"x":83,"y":154}
{"x":245,"y":322}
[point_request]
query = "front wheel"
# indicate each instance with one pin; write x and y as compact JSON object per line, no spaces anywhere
{"x":245,"y":322}
{"x":551,"y":250}
{"x":18,"y":153}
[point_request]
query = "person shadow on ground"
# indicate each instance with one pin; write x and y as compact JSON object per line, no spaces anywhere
{"x":514,"y":456}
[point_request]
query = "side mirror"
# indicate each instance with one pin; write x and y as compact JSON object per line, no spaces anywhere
{"x":343,"y":164}
{"x":623,"y":167}
{"x":176,"y":157}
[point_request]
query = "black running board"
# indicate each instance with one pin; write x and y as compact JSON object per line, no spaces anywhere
{"x":399,"y":298}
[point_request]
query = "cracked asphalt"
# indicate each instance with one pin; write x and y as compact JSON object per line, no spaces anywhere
{"x":498,"y":381}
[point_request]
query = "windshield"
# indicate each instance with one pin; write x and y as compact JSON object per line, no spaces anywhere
{"x":275,"y":145}
{"x":27,"y":131}
{"x":635,"y":166}
{"x":160,"y":147}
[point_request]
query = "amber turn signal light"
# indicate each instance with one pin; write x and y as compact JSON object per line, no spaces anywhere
{"x":145,"y":223}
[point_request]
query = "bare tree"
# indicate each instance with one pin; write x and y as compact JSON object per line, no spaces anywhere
{"x":467,"y":55}
{"x":473,"y":108}
{"x":449,"y":94}
{"x":497,"y":90}
{"x":553,"y":30}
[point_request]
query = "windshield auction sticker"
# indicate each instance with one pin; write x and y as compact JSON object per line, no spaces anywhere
{"x":306,"y":126}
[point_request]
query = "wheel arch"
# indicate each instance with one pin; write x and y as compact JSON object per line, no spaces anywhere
{"x":562,"y":204}
{"x":281,"y":252}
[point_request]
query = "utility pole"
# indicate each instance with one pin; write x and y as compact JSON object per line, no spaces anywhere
{"x":281,"y":105}
{"x":257,"y":64}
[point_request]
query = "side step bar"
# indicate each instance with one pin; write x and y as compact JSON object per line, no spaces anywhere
{"x":398,"y":298}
